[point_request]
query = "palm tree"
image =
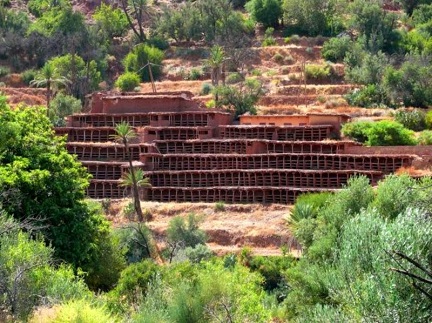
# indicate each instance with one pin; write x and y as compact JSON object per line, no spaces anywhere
{"x":215,"y":63}
{"x":135,"y":178}
{"x":47,"y":78}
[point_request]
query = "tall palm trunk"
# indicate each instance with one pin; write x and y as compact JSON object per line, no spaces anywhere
{"x":137,"y":203}
{"x":48,"y":97}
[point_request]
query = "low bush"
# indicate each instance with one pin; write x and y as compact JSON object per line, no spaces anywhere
{"x":428,"y":119}
{"x":278,"y":58}
{"x":4,"y":71}
{"x":317,"y":72}
{"x":28,"y":75}
{"x":413,"y":120}
{"x":206,"y":89}
{"x":234,"y":78}
{"x":370,"y":96}
{"x":381,"y":133}
{"x":335,"y":49}
{"x":425,"y":137}
{"x":194,"y":74}
{"x":128,"y":81}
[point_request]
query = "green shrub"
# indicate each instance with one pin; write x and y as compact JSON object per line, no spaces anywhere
{"x":4,"y":71}
{"x":256,"y":72}
{"x":198,"y":253}
{"x":389,"y":133}
{"x":317,"y":72}
{"x":381,"y":133}
{"x":128,"y":81}
{"x":220,"y":206}
{"x":194,"y":74}
{"x":425,"y":137}
{"x":28,"y":75}
{"x":269,"y":41}
{"x":206,"y":89}
{"x":335,"y":49}
{"x":234,"y":78}
{"x":61,"y":106}
{"x":357,"y":130}
{"x":428,"y":119}
{"x":75,"y":311}
{"x":133,"y":283}
{"x":158,"y":42}
{"x":278,"y":58}
{"x":369,"y":96}
{"x":186,"y":233}
{"x":413,"y":120}
{"x":139,"y":57}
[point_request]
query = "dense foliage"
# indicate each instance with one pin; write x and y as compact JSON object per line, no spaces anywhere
{"x":366,"y":238}
{"x":381,"y":133}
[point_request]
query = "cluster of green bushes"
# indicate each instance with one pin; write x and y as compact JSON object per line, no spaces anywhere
{"x":392,"y":64}
{"x":392,"y":133}
{"x":359,"y":246}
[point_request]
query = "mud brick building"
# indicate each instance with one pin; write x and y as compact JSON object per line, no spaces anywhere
{"x":195,"y":154}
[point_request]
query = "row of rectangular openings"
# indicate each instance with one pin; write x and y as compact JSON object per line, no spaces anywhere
{"x":277,"y":133}
{"x":180,"y":134}
{"x":314,"y":162}
{"x":189,"y":120}
{"x":101,"y":153}
{"x":225,"y":178}
{"x":228,"y":195}
{"x":90,"y":134}
{"x":239,"y":147}
{"x":105,"y":171}
{"x":304,"y":148}
{"x":104,"y":190}
{"x":200,"y":147}
{"x":111,"y":120}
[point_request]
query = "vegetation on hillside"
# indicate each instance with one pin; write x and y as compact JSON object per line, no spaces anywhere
{"x":366,"y":252}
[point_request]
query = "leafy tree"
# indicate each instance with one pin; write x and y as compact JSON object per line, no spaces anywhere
{"x":182,"y":234}
{"x":376,"y":26}
{"x":62,"y":106}
{"x":267,"y":12}
{"x":47,"y":78}
{"x":83,"y":75}
{"x":311,"y":17}
{"x":136,"y":12}
{"x":111,"y":22}
{"x":124,"y":134}
{"x":38,"y":7}
{"x":182,"y":23}
{"x":413,"y":120}
{"x":39,"y":179}
{"x":133,"y":284}
{"x":381,"y":133}
{"x":128,"y":81}
{"x":410,"y":84}
{"x":335,"y":49}
{"x":138,"y":61}
{"x":137,"y":240}
{"x":240,"y":99}
{"x":196,"y":296}
{"x":27,"y":278}
{"x":410,"y":5}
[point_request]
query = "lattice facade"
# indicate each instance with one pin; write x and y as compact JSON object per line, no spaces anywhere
{"x":200,"y":156}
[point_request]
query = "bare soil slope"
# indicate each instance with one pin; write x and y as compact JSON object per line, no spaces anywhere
{"x":259,"y":227}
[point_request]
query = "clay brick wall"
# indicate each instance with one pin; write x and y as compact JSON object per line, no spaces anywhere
{"x":383,"y":163}
{"x":143,"y":104}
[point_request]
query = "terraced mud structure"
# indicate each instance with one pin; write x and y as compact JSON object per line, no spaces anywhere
{"x":193,"y":154}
